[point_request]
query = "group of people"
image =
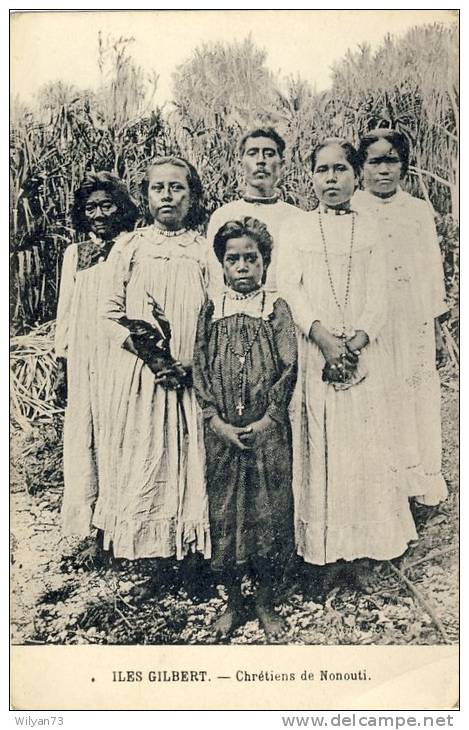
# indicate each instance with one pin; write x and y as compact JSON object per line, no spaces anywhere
{"x":265,"y":392}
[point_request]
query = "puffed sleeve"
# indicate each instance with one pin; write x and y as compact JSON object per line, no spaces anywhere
{"x":281,"y":392}
{"x":201,"y":371}
{"x":67,"y":285}
{"x":116,"y":275}
{"x":432,"y":266}
{"x":290,"y":276}
{"x":214,"y":267}
{"x":374,"y":313}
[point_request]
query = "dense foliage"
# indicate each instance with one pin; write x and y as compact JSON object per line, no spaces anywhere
{"x":410,"y":83}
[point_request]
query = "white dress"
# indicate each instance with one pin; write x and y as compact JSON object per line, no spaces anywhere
{"x":153,"y":502}
{"x":416,"y":297}
{"x":79,"y":339}
{"x":348,"y":500}
{"x":273,"y":214}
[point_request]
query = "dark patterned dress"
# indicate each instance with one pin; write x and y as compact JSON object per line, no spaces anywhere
{"x":250,"y":496}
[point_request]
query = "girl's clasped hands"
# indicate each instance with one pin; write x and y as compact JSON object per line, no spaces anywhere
{"x":243,"y":437}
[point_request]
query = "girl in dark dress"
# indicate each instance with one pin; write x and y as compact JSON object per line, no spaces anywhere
{"x":244,"y":373}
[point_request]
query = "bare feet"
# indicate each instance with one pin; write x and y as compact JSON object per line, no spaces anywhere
{"x":231,"y":619}
{"x":91,"y":555}
{"x":274,"y":625}
{"x":363,"y":576}
{"x":145,"y":592}
{"x":423,"y":513}
{"x":332,"y":577}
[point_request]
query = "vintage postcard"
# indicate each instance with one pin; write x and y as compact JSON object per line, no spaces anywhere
{"x":234,"y":309}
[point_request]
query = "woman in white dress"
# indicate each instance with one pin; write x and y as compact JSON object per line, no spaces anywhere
{"x":416,"y":296}
{"x":154,"y":503}
{"x":102,"y":209}
{"x":349,"y":504}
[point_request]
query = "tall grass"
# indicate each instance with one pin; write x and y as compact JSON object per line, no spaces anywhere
{"x":221,"y":89}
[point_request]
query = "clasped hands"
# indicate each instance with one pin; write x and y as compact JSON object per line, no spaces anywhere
{"x":169,"y":373}
{"x":341,"y":355}
{"x":173,"y":375}
{"x":243,"y":437}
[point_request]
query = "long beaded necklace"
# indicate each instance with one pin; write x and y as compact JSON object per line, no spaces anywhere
{"x":340,"y":307}
{"x":241,"y":357}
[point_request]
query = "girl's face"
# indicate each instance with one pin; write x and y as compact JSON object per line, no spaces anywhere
{"x":102,"y":215}
{"x":243,"y":265}
{"x":334,"y":179}
{"x":382,"y":169}
{"x":169,"y":196}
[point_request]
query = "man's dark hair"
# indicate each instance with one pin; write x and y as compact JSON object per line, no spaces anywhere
{"x":268,"y":132}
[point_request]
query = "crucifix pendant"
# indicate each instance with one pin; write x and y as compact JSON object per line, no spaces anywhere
{"x":240,"y":408}
{"x":242,"y":360}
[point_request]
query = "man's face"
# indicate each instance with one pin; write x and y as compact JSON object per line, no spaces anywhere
{"x":262,"y":165}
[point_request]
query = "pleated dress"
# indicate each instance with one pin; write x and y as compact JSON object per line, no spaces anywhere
{"x":153,"y":502}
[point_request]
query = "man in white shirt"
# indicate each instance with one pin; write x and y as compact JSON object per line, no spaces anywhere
{"x":261,"y":152}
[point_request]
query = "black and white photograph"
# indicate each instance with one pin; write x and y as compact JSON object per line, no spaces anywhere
{"x":234,"y":318}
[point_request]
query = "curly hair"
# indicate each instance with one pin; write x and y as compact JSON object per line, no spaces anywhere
{"x":268,"y":132}
{"x":110,"y":183}
{"x":197,"y":213}
{"x":245,"y":227}
{"x":348,"y":148}
{"x":396,"y":139}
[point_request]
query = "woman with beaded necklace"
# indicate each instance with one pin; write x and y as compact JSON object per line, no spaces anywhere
{"x":349,"y":505}
{"x":154,"y":503}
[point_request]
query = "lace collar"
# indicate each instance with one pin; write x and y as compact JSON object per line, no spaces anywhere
{"x":181,"y":237}
{"x":261,"y":304}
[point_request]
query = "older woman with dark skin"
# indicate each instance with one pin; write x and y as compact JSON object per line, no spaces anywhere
{"x":102,"y":209}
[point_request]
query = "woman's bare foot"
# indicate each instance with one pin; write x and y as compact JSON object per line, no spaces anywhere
{"x":332,"y":577}
{"x":363,"y":575}
{"x":145,"y":592}
{"x":274,"y":625}
{"x":158,"y":581}
{"x":91,"y":554}
{"x":231,"y":619}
